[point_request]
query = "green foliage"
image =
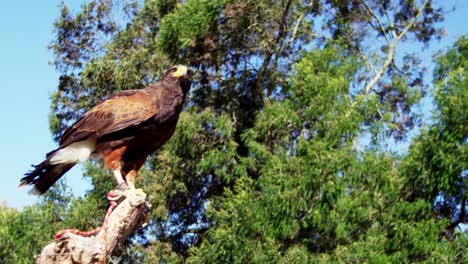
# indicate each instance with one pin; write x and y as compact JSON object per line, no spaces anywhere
{"x":269,"y":163}
{"x":188,"y":23}
{"x":24,"y":233}
{"x":436,"y":167}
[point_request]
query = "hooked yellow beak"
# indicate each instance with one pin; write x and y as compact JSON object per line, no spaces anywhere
{"x":179,"y":71}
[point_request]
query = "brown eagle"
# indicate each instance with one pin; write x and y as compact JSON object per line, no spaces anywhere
{"x":123,"y":131}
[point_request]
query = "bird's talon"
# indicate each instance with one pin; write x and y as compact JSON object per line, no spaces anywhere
{"x":140,"y":192}
{"x":123,"y":187}
{"x":127,"y":191}
{"x":135,"y":191}
{"x":114,"y":195}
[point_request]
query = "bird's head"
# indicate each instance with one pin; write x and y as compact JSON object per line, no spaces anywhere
{"x":182,"y":74}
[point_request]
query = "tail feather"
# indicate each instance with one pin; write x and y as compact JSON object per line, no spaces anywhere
{"x":44,"y":175}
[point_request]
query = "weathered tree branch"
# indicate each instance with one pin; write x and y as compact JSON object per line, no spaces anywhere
{"x":123,"y":222}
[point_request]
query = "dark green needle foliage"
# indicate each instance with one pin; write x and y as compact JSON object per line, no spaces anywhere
{"x":281,"y":154}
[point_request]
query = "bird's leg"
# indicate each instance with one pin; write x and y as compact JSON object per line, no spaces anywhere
{"x":130,"y":178}
{"x":121,"y":184}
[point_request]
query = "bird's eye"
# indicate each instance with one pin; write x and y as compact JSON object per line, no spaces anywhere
{"x":174,"y":69}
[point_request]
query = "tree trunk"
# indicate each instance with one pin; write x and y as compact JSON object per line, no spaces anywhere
{"x":123,"y":222}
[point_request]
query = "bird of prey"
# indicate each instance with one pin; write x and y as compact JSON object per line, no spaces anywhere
{"x":122,"y":130}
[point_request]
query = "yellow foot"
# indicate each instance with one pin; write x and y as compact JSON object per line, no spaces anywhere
{"x":140,"y":192}
{"x":135,"y":191}
{"x":123,"y":186}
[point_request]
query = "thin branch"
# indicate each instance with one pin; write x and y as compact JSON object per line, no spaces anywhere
{"x":284,"y":44}
{"x":367,"y":61}
{"x":382,"y":29}
{"x":391,"y":46}
{"x":395,"y":66}
{"x":378,"y":75}
{"x":266,"y":63}
{"x":411,"y":24}
{"x":298,"y":23}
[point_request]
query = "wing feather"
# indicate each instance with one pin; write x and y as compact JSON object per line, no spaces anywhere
{"x":128,"y":108}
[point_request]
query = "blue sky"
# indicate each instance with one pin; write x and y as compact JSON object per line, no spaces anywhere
{"x":27,"y":79}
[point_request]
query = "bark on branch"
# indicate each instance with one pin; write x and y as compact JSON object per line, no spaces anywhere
{"x":123,"y":222}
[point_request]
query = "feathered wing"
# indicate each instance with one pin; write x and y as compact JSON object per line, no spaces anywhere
{"x":118,"y":112}
{"x":128,"y":108}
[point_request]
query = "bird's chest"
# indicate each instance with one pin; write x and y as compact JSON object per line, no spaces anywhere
{"x":145,"y":138}
{"x":168,"y":110}
{"x":155,"y":132}
{"x":152,"y":135}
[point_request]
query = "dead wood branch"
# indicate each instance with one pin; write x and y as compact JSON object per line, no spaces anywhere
{"x":123,"y":222}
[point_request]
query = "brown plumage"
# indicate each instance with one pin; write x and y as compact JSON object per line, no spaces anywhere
{"x":123,"y":131}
